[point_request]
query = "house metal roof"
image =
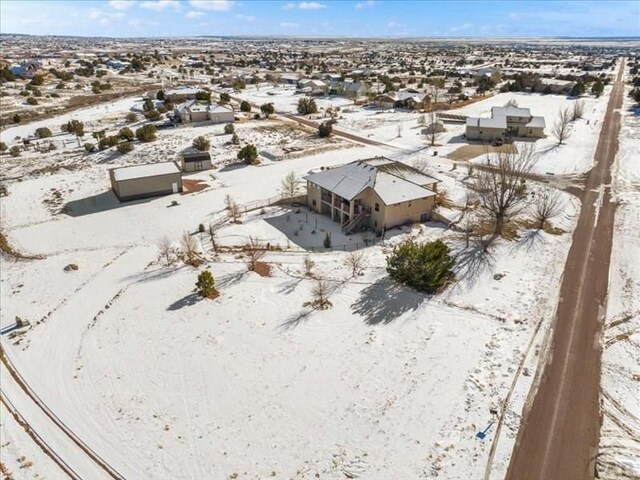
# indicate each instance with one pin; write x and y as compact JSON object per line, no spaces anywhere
{"x":394,"y":182}
{"x":142,"y":171}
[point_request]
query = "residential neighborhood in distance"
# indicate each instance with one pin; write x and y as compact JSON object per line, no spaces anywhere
{"x":359,"y":239}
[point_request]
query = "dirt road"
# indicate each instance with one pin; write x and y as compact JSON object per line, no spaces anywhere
{"x":558,"y":439}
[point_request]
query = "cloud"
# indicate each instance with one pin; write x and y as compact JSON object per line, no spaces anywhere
{"x":217,"y":5}
{"x":288,"y":6}
{"x":121,"y":4}
{"x":246,"y":18}
{"x":461,"y":28}
{"x":395,"y":25}
{"x":160,"y":5}
{"x":192,"y":14}
{"x":311,"y":6}
{"x":289,"y":25}
{"x":365,"y":4}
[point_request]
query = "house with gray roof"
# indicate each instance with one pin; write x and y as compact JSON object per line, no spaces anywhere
{"x":195,"y":111}
{"x":505,"y":122}
{"x":376,"y":193}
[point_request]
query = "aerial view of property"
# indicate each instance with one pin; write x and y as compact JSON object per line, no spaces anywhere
{"x":321,"y":239}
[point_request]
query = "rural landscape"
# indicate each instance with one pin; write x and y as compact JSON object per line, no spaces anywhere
{"x":307,"y":255}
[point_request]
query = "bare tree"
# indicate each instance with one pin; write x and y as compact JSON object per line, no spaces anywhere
{"x":320,"y":294}
{"x":547,"y":205}
{"x":164,"y":245}
{"x":234,"y":212}
{"x":255,"y":251}
{"x":212,"y":237}
{"x":578,"y":110}
{"x":228,"y":201}
{"x":290,"y":185}
{"x":421,"y":165}
{"x":432,"y":128}
{"x":355,"y":261}
{"x":501,"y":184}
{"x":308,"y":266}
{"x":189,"y":247}
{"x":561,"y":127}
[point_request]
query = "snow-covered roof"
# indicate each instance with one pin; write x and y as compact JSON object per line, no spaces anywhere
{"x":393,"y":190}
{"x":142,"y":171}
{"x":217,"y":108}
{"x":183,"y":91}
{"x":347,"y":181}
{"x":495,"y":122}
{"x":510,"y":112}
{"x":536,"y":122}
{"x":394,"y":182}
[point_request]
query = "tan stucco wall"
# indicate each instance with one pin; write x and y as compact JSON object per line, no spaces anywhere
{"x":147,"y":186}
{"x":473,"y":133}
{"x":222,"y":117}
{"x":536,"y":132}
{"x":407,"y":212}
{"x":313,"y":193}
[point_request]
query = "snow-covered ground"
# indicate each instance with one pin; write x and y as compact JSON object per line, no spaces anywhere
{"x":388,"y":383}
{"x":620,"y":433}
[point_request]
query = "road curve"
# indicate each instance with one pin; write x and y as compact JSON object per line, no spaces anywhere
{"x":559,"y":435}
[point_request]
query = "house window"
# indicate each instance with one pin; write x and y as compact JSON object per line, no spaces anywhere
{"x":375,"y":224}
{"x":409,"y":205}
{"x":377,"y":207}
{"x":313,"y":202}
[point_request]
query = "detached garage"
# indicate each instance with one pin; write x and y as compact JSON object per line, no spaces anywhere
{"x":194,"y":162}
{"x":142,"y":181}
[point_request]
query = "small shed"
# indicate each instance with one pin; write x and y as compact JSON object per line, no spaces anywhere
{"x":194,"y":162}
{"x":142,"y":181}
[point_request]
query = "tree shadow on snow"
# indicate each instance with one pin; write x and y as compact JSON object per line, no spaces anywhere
{"x":187,"y":301}
{"x":471,"y":261}
{"x":530,"y":239}
{"x":230,"y":279}
{"x":296,"y":319}
{"x":386,"y":300}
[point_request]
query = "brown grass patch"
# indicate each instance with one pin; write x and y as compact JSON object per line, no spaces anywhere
{"x":263,"y":269}
{"x":468,"y":152}
{"x":7,"y":248}
{"x":213,"y":295}
{"x":191,"y":186}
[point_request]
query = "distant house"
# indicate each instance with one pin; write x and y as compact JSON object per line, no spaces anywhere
{"x":193,"y":111}
{"x":505,"y":122}
{"x":409,"y":100}
{"x":348,"y":89}
{"x":377,"y":193}
{"x":26,"y":69}
{"x":290,"y":78}
{"x":313,"y":87}
{"x":178,"y":95}
{"x":559,"y":87}
{"x":117,"y":64}
{"x":143,"y":181}
{"x":194,"y":162}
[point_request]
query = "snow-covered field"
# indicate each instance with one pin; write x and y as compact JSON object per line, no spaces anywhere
{"x":387,"y":384}
{"x":620,"y":434}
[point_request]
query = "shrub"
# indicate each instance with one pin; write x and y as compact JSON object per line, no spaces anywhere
{"x":327,"y":240}
{"x":43,"y":132}
{"x":125,"y":147}
{"x":107,"y":142}
{"x":131,"y":117}
{"x":15,"y":151}
{"x":32,"y":101}
{"x":267,"y":109}
{"x":152,"y":115}
{"x":225,"y":98}
{"x":325,"y":130}
{"x":229,"y":128}
{"x":245,"y":106}
{"x":307,"y":106}
{"x":3,"y":147}
{"x":423,"y":266}
{"x":146,"y":133}
{"x":248,"y":154}
{"x":147,"y":105}
{"x":89,"y":147}
{"x":235,"y":139}
{"x":206,"y":285}
{"x":201,"y":228}
{"x":16,"y":118}
{"x":201,"y":144}
{"x":126,"y":134}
